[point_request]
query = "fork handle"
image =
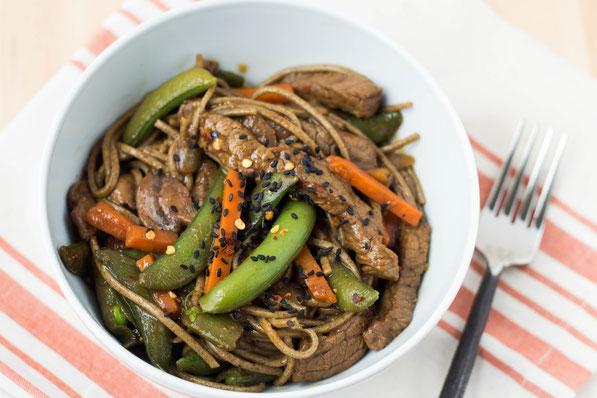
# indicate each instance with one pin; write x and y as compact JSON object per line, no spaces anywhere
{"x":466,"y":353}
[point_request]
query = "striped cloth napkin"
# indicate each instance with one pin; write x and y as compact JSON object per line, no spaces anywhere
{"x":541,"y":338}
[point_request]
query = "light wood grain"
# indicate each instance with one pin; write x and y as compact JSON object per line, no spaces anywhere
{"x":37,"y":37}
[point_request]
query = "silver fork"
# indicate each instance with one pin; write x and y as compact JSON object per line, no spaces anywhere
{"x":510,"y":231}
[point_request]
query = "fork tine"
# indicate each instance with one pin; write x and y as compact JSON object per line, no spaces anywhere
{"x":496,"y":189}
{"x":548,"y":185}
{"x":531,"y":187}
{"x":525,"y":159}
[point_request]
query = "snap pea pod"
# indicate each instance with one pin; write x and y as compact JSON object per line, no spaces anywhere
{"x":192,"y":363}
{"x":219,"y":329}
{"x":273,"y":190}
{"x":75,"y":257}
{"x":165,"y":98}
{"x":108,"y":299}
{"x":192,"y":247}
{"x":380,"y":127}
{"x":233,"y":79}
{"x":267,"y":263}
{"x":236,"y":377}
{"x":352,"y":294}
{"x":156,"y":337}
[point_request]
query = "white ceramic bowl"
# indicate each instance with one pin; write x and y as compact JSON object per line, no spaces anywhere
{"x":268,"y":36}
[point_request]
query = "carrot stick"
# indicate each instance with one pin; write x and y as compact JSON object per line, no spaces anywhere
{"x":165,"y":299}
{"x":318,"y":286}
{"x":149,"y":239}
{"x":145,"y":262}
{"x":106,"y":218}
{"x":229,"y":225}
{"x":381,"y":174}
{"x":274,"y":98}
{"x":374,"y":189}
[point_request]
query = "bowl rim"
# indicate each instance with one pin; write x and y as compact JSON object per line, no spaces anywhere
{"x":170,"y":381}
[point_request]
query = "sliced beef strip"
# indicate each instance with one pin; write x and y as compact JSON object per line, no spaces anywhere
{"x":261,"y":129}
{"x":362,"y":232}
{"x":351,"y":93}
{"x":186,"y":149}
{"x":79,"y":201}
{"x":155,"y":197}
{"x":360,"y":149}
{"x":204,"y":179}
{"x":124,"y":192}
{"x":337,"y":351}
{"x":400,"y":297}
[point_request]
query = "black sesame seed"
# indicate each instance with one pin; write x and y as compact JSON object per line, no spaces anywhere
{"x":301,"y":313}
{"x":192,"y":268}
{"x":202,"y":244}
{"x":224,"y":261}
{"x":212,"y":201}
{"x":225,"y":212}
{"x":174,"y":209}
{"x":310,"y":273}
{"x":243,"y":183}
{"x":183,"y":266}
{"x":292,"y":311}
{"x":229,"y":182}
{"x":325,"y":184}
{"x":289,"y":141}
{"x":366,"y":222}
{"x":311,"y":189}
{"x":219,"y":272}
{"x":215,"y":235}
{"x":385,"y":205}
{"x":287,"y":156}
{"x":254,"y":258}
{"x":265,"y":184}
{"x":261,"y":256}
{"x":293,"y":215}
{"x":274,"y":163}
{"x":319,"y":273}
{"x":242,"y":137}
{"x":350,"y":210}
{"x":207,"y":272}
{"x":194,"y":137}
{"x":290,"y":323}
{"x":196,"y":205}
{"x":370,"y":212}
{"x":197,"y":253}
{"x":230,"y":197}
{"x":342,"y":198}
{"x":176,"y":158}
{"x":296,"y":151}
{"x":266,"y":143}
{"x":160,"y":171}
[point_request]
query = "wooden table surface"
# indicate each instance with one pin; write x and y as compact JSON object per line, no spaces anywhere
{"x":36,"y":38}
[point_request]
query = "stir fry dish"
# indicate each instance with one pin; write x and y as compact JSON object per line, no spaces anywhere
{"x":239,"y":237}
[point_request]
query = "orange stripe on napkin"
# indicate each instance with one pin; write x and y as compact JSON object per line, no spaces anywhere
{"x":39,"y":367}
{"x":42,"y":322}
{"x":102,"y":39}
{"x":22,"y":382}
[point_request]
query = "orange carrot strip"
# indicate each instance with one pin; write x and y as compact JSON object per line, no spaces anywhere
{"x":145,"y":262}
{"x":106,"y":218}
{"x":165,"y":299}
{"x":149,"y":239}
{"x":374,"y":189}
{"x":381,"y":174}
{"x":229,"y":224}
{"x":273,"y":98}
{"x":318,"y":286}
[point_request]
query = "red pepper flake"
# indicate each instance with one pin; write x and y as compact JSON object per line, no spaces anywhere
{"x":277,"y":297}
{"x":356,"y":298}
{"x":132,"y":278}
{"x":275,"y":238}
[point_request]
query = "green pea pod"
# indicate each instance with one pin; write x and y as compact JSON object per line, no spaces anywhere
{"x":352,"y":294}
{"x":380,"y":127}
{"x":109,"y":298}
{"x":156,"y":337}
{"x":165,"y":98}
{"x":135,"y":253}
{"x":233,"y":79}
{"x":273,"y":190}
{"x":192,"y":363}
{"x":267,"y":263}
{"x":76,"y":257}
{"x":236,"y":377}
{"x":219,"y":329}
{"x":172,"y":271}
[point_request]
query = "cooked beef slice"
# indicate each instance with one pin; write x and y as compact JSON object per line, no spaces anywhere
{"x":204,"y":179}
{"x":124,"y":192}
{"x":261,"y":129}
{"x":399,"y":299}
{"x":79,"y":201}
{"x":352,"y":93}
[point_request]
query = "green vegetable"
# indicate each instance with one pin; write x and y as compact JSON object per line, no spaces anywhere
{"x":119,"y":316}
{"x":270,"y":199}
{"x":166,"y":273}
{"x":76,"y":257}
{"x":352,"y":294}
{"x":255,"y":275}
{"x":219,"y":329}
{"x":165,"y":98}
{"x":233,"y":79}
{"x":236,"y":377}
{"x":135,"y":253}
{"x":108,"y":298}
{"x":192,"y":363}
{"x":380,"y":127}
{"x":156,"y":337}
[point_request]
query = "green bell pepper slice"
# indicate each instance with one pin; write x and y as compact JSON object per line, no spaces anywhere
{"x":76,"y":257}
{"x":236,"y":377}
{"x":352,"y":294}
{"x":165,"y":98}
{"x":380,"y":127}
{"x":274,"y":189}
{"x":192,"y":363}
{"x":156,"y":337}
{"x":267,"y":263}
{"x":192,"y":247}
{"x":219,"y":329}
